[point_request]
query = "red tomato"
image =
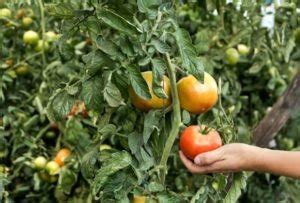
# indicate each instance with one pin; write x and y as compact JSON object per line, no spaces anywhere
{"x":195,"y":140}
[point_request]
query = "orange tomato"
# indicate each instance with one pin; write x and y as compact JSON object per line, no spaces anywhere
{"x":139,"y":199}
{"x":61,"y":156}
{"x":195,"y":140}
{"x":197,"y":97}
{"x":155,"y":102}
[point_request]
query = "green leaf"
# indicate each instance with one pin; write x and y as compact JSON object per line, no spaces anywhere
{"x":95,"y":61}
{"x":107,"y":130}
{"x":67,"y":180}
{"x":135,"y":141}
{"x":235,"y":191}
{"x":288,"y":50}
{"x":160,"y":46}
{"x":112,"y":95}
{"x":188,"y":54}
{"x":108,"y":47}
{"x":155,"y":187}
{"x":88,"y":164}
{"x":91,"y":93}
{"x":61,"y":10}
{"x":158,"y":70}
{"x":59,"y":105}
{"x":118,"y":161}
{"x":149,"y":6}
{"x":76,"y":136}
{"x":151,"y":123}
{"x":138,"y":83}
{"x":116,"y":21}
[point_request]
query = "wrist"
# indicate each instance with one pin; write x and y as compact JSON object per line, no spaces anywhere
{"x":255,"y":158}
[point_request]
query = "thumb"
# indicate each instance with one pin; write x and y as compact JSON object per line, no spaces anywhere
{"x":208,"y":158}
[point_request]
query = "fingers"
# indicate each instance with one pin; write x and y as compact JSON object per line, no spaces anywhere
{"x":209,"y":158}
{"x":193,"y":168}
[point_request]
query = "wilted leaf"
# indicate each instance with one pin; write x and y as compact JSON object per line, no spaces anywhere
{"x":158,"y":70}
{"x":138,"y":83}
{"x":116,"y":21}
{"x":118,"y":161}
{"x":188,"y":54}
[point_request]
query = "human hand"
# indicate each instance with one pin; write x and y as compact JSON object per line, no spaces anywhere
{"x":228,"y":158}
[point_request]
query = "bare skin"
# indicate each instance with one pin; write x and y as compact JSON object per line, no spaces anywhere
{"x":242,"y":157}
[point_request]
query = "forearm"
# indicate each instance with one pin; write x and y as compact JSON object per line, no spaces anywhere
{"x":275,"y":161}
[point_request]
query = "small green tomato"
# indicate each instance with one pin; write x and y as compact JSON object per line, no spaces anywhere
{"x":31,"y":37}
{"x":5,"y":13}
{"x":232,"y":56}
{"x":39,"y":162}
{"x":52,"y":167}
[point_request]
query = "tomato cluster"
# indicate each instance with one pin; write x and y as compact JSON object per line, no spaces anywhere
{"x":195,"y":97}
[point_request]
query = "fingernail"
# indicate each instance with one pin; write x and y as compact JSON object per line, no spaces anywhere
{"x":197,"y":161}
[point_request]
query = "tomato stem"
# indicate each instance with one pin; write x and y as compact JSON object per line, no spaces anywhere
{"x":176,"y":120}
{"x":43,"y":29}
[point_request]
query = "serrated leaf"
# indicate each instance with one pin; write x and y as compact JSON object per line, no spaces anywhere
{"x":235,"y":191}
{"x":59,"y":105}
{"x":149,"y":6}
{"x":188,"y":54}
{"x":88,"y":164}
{"x":91,"y":93}
{"x":108,"y":47}
{"x":118,"y":161}
{"x":138,"y":83}
{"x":134,"y":141}
{"x":67,"y":180}
{"x":158,"y":70}
{"x":116,"y":21}
{"x":61,"y":10}
{"x":151,"y":123}
{"x":112,"y":95}
{"x":160,"y":46}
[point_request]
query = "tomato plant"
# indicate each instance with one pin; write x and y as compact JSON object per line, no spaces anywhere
{"x":117,"y":81}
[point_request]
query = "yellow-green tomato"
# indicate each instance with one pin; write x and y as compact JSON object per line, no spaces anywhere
{"x":31,"y":37}
{"x":52,"y":168}
{"x":39,"y":162}
{"x":40,"y":45}
{"x":5,"y":13}
{"x":26,"y":22}
{"x":104,"y":147}
{"x":22,"y":70}
{"x":243,"y":49}
{"x":232,"y":56}
{"x":51,"y":36}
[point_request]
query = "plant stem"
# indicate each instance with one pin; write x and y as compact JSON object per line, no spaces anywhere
{"x":43,"y":29}
{"x":176,"y":120}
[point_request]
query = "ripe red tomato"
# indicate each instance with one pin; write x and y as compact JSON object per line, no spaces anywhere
{"x":61,"y":156}
{"x":197,"y":97}
{"x":196,"y":139}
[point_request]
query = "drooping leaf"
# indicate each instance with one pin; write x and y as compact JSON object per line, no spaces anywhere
{"x":137,"y":82}
{"x":112,"y":95}
{"x":116,"y":21}
{"x":235,"y":191}
{"x":59,"y":105}
{"x":158,"y":70}
{"x":91,"y":93}
{"x":151,"y":123}
{"x":61,"y":10}
{"x":188,"y":54}
{"x":135,"y":141}
{"x":160,"y":46}
{"x":67,"y":180}
{"x":118,"y":161}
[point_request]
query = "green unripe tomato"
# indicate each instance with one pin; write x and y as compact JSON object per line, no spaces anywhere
{"x":5,"y":13}
{"x":50,"y":135}
{"x":51,"y":36}
{"x":104,"y":147}
{"x":297,"y":35}
{"x":52,"y":168}
{"x":26,"y":22}
{"x":243,"y":49}
{"x":22,"y":70}
{"x":40,"y":45}
{"x":215,"y":185}
{"x":31,"y":37}
{"x":232,"y":56}
{"x":40,"y":162}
